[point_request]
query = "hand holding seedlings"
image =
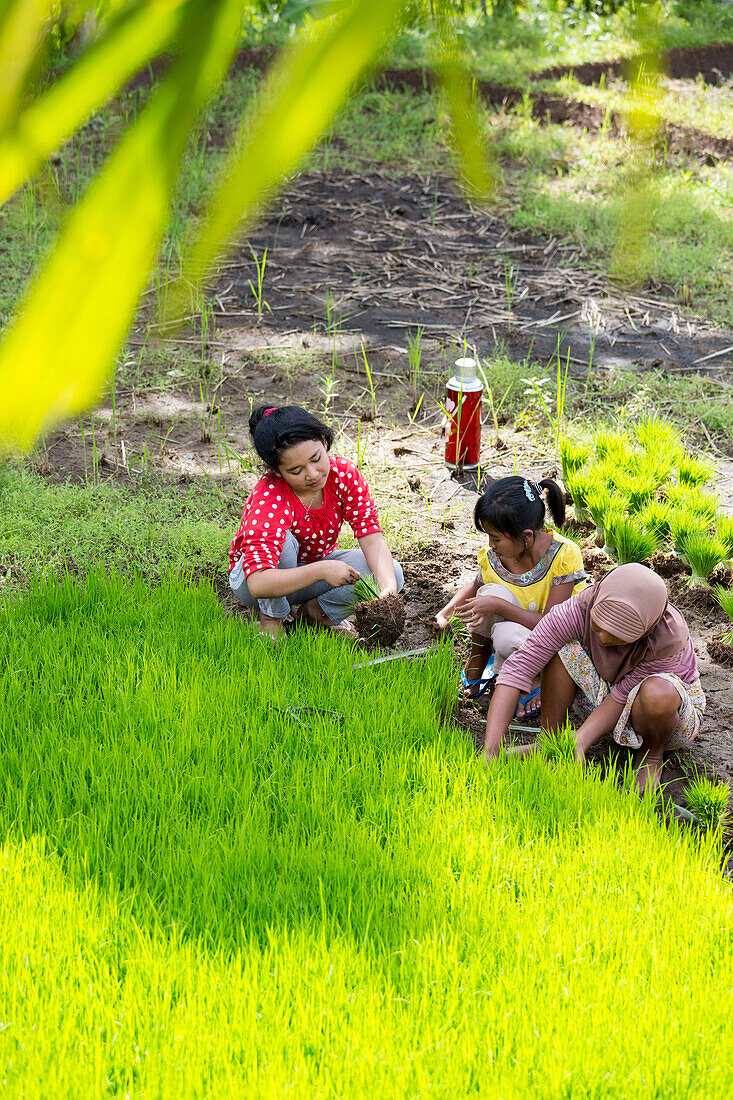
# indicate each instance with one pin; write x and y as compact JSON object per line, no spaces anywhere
{"x":339,"y":573}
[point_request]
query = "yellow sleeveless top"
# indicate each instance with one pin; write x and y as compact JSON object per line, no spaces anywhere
{"x":561,"y":563}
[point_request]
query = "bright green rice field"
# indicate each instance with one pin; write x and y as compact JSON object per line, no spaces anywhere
{"x":203,"y":898}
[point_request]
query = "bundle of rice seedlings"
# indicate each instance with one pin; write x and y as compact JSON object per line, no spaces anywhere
{"x":711,"y":802}
{"x":633,"y":543}
{"x":578,"y":485}
{"x":598,"y":500}
{"x":657,"y":436}
{"x":694,"y":502}
{"x":640,"y":490}
{"x":657,"y":467}
{"x":724,"y":596}
{"x":694,"y":472}
{"x":655,"y":516}
{"x":614,"y":447}
{"x":573,"y":455}
{"x":724,"y":531}
{"x":615,"y":512}
{"x":681,"y":525}
{"x":703,"y":552}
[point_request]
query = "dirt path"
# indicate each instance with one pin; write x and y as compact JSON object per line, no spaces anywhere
{"x":384,"y":257}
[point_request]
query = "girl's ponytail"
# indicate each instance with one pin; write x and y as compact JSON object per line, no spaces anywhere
{"x":554,"y":500}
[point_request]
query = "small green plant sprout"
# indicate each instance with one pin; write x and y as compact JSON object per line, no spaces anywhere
{"x":724,"y":531}
{"x":724,"y":596}
{"x":260,"y":266}
{"x":633,"y":542}
{"x":573,"y":455}
{"x":703,"y":552}
{"x":655,"y":517}
{"x":370,"y":380}
{"x":655,"y":467}
{"x":681,"y":525}
{"x":558,"y":746}
{"x":614,"y":447}
{"x":414,"y":357}
{"x":657,"y":436}
{"x":365,"y":589}
{"x":329,"y":391}
{"x":579,"y":485}
{"x":694,"y":472}
{"x":710,"y":801}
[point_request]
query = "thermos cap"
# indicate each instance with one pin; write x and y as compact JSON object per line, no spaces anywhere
{"x":466,"y":369}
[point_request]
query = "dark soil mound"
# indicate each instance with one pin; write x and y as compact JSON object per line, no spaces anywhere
{"x":380,"y":621}
{"x":668,"y":565}
{"x":719,"y":651}
{"x":694,"y":597}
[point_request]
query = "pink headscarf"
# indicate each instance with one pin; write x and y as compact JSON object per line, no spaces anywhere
{"x":631,"y":603}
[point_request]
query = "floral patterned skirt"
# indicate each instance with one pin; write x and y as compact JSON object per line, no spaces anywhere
{"x":592,"y":690}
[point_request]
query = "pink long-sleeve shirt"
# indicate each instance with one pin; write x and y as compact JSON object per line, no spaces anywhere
{"x":565,"y":623}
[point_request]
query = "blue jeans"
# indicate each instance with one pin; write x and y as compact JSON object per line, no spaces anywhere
{"x":336,"y":602}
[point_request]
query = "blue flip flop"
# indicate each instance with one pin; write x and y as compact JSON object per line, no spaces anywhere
{"x":522,"y":702}
{"x":484,"y":681}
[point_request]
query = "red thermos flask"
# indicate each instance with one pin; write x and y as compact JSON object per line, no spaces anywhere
{"x":463,"y":417}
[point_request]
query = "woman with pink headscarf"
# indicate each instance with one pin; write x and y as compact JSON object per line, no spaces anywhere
{"x":622,"y":655}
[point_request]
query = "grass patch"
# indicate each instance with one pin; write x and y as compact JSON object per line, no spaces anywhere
{"x":146,"y":529}
{"x":204,"y":889}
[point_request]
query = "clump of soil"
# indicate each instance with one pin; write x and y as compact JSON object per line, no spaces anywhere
{"x":719,"y":651}
{"x":381,"y":620}
{"x":597,"y":563}
{"x":697,"y":598}
{"x":668,"y":565}
{"x":722,"y":575}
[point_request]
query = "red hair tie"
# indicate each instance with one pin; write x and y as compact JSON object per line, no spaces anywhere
{"x":268,"y":411}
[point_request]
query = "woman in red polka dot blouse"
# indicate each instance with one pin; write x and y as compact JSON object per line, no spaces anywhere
{"x":284,"y":554}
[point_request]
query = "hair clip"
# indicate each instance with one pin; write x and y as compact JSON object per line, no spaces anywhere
{"x":538,"y":489}
{"x":267,"y":412}
{"x":528,"y":491}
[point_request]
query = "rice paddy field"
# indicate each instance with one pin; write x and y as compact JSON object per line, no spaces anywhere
{"x":235,"y":868}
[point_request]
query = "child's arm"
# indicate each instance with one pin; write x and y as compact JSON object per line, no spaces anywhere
{"x":475,"y":610}
{"x":468,"y":591}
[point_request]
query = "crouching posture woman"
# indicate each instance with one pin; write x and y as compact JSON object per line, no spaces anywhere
{"x":284,"y":554}
{"x":623,"y":655}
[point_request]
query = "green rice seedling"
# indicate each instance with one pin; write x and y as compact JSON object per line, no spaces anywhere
{"x":365,"y":589}
{"x":711,"y":802}
{"x":578,"y":485}
{"x":614,"y":447}
{"x":703,"y":552}
{"x":655,"y":516}
{"x":695,"y":502}
{"x":573,"y":455}
{"x":694,"y":472}
{"x":633,"y":542}
{"x":640,"y":490}
{"x":724,"y":596}
{"x":681,"y":525}
{"x":611,"y":514}
{"x":657,"y":436}
{"x":598,"y":500}
{"x":227,"y":860}
{"x":655,"y":466}
{"x":724,"y":531}
{"x":558,"y":746}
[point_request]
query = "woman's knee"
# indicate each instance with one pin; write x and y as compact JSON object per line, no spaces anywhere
{"x":399,"y":576}
{"x":657,"y":698}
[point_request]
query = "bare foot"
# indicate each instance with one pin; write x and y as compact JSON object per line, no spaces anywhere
{"x":272,"y":628}
{"x":649,"y":772}
{"x":313,"y":614}
{"x":474,"y":668}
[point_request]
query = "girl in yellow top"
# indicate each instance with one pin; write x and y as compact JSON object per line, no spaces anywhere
{"x":525,"y":571}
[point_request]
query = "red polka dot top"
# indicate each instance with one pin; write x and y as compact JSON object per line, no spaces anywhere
{"x":272,"y":509}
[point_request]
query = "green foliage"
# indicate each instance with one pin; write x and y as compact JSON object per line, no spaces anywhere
{"x":682,"y":524}
{"x":613,"y":447}
{"x":655,"y":517}
{"x":573,"y":455}
{"x":710,"y":801}
{"x":231,"y":861}
{"x":724,"y":531}
{"x":694,"y":472}
{"x":75,"y":527}
{"x":703,"y":551}
{"x":724,"y":596}
{"x":632,"y":541}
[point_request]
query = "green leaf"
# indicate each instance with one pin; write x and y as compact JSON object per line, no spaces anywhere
{"x":139,"y":34}
{"x":22,"y":25}
{"x":298,"y":101}
{"x":61,"y":342}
